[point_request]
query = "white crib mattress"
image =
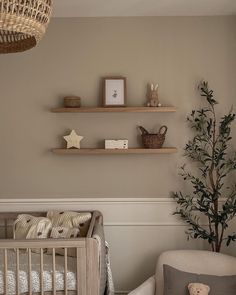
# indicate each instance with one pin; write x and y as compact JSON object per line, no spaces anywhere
{"x":35,"y":274}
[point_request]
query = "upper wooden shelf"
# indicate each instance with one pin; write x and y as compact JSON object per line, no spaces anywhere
{"x":95,"y":151}
{"x":164,"y":109}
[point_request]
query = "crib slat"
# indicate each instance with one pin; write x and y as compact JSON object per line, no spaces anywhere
{"x":79,"y":285}
{"x":53,"y":272}
{"x":41,"y":271}
{"x":6,"y":225}
{"x":65,"y":271}
{"x":81,"y":270}
{"x":17,"y":272}
{"x":30,"y":272}
{"x":5,"y":272}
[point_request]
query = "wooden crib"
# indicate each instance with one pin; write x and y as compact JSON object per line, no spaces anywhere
{"x":87,"y":272}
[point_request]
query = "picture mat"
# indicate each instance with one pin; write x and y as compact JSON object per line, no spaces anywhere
{"x":114,"y":87}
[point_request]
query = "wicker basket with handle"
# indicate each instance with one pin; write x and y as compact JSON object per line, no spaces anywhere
{"x":153,"y":140}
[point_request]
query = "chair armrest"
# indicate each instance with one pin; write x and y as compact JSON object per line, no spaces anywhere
{"x":147,"y":288}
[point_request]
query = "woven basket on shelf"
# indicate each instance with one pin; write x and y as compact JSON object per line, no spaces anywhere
{"x":72,"y":102}
{"x":153,"y":141}
{"x":23,"y":23}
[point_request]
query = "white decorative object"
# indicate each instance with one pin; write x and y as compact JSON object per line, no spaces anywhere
{"x":116,"y":144}
{"x":73,"y":140}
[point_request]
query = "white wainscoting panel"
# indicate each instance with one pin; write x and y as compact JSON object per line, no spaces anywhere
{"x":138,"y":230}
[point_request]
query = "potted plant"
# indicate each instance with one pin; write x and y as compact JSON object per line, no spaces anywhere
{"x":211,"y":198}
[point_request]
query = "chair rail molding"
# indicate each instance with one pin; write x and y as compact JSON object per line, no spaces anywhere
{"x":116,"y":211}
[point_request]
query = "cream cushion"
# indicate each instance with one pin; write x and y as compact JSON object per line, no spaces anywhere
{"x":70,"y":219}
{"x":30,"y":227}
{"x":61,"y":232}
{"x":27,"y":226}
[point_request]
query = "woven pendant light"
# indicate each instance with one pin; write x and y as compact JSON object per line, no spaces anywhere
{"x":23,"y":23}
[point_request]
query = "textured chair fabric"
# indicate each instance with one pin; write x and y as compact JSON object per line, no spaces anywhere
{"x":194,"y":261}
{"x":147,"y":288}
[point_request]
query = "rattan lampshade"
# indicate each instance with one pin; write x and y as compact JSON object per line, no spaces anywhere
{"x":23,"y":23}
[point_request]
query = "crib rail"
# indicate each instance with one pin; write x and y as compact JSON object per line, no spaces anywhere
{"x":42,"y":243}
{"x":87,"y":268}
{"x":87,"y":258}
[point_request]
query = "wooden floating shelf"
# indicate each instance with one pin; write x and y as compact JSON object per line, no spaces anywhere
{"x":93,"y":151}
{"x":164,"y":109}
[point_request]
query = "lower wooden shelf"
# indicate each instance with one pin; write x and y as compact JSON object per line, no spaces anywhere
{"x":93,"y":151}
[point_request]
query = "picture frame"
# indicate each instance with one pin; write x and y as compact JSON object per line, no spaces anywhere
{"x":114,"y":91}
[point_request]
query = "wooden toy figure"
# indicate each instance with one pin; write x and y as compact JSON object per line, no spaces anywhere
{"x":153,"y":96}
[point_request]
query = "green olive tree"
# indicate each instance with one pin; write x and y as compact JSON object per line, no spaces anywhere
{"x":211,"y":197}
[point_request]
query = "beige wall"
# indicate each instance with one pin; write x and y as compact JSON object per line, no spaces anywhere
{"x":71,"y":59}
{"x":73,"y":56}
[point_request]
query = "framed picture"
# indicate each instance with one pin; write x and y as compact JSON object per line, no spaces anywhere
{"x":114,"y":91}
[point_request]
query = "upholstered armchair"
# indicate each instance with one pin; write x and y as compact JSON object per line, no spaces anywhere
{"x":195,"y":261}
